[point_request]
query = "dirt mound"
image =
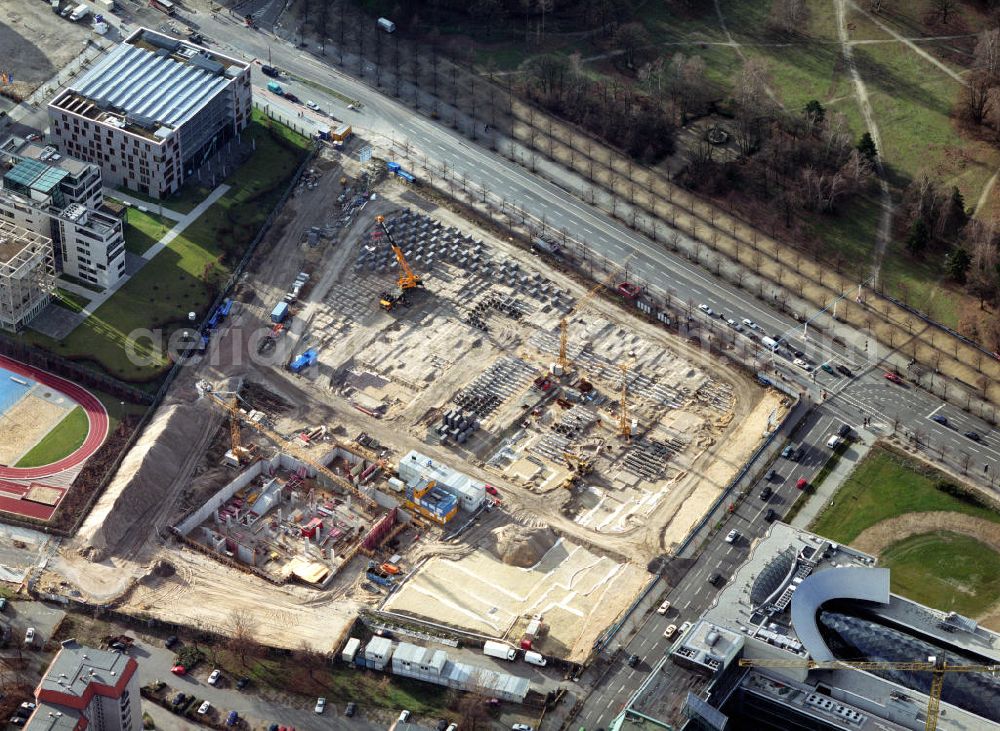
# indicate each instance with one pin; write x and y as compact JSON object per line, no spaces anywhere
{"x":519,"y":546}
{"x":875,"y":539}
{"x":144,"y":481}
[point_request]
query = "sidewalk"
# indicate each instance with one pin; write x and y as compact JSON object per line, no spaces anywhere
{"x":185,"y":220}
{"x":848,"y":461}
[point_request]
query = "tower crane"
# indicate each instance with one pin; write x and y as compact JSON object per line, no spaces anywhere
{"x":292,"y":448}
{"x":624,"y":428}
{"x":938,"y":666}
{"x":407,"y":279}
{"x":564,"y":322}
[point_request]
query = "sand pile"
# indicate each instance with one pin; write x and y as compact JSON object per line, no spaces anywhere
{"x":519,"y":546}
{"x":145,"y":478}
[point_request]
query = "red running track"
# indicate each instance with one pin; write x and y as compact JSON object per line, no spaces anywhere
{"x":97,"y":416}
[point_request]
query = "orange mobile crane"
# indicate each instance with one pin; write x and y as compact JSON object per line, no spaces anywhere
{"x":407,"y":279}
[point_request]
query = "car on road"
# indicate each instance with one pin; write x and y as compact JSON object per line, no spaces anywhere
{"x":521,"y":727}
{"x":320,"y":705}
{"x":213,"y":679}
{"x":170,"y":641}
{"x":942,"y":420}
{"x":292,"y":98}
{"x":685,"y":627}
{"x":834,"y":441}
{"x":751,"y":324}
{"x":404,"y":716}
{"x":714,"y":580}
{"x":788,"y":451}
{"x":233,"y":718}
{"x":892,"y":377}
{"x":242,"y":683}
{"x":798,"y":354}
{"x":844,"y":431}
{"x":312,"y":105}
{"x":798,"y":454}
{"x":974,"y":436}
{"x":844,"y":370}
{"x":707,"y":310}
{"x":734,"y":325}
{"x":633,"y":660}
{"x":664,"y":608}
{"x":178,"y":670}
{"x":732,"y":536}
{"x":29,"y":635}
{"x":351,"y":709}
{"x":770,"y":515}
{"x":204,"y":708}
{"x":828,"y":368}
{"x":669,"y":631}
{"x":771,"y":476}
{"x":766,"y":493}
{"x":492,"y":490}
{"x":801,"y":483}
{"x":803,"y":365}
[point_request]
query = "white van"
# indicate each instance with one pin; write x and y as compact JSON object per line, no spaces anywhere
{"x":770,"y":343}
{"x":535,"y":658}
{"x":387,"y":25}
{"x":833,"y":441}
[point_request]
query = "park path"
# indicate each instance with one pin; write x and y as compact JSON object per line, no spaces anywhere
{"x":884,"y":233}
{"x":876,"y":538}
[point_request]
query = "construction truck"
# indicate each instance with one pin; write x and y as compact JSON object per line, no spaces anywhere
{"x":390,"y":299}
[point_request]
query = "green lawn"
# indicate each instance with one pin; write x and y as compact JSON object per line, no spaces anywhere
{"x":142,"y":230}
{"x":182,"y":277}
{"x":63,"y":440}
{"x":70,"y":300}
{"x":884,"y":485}
{"x":945,"y":570}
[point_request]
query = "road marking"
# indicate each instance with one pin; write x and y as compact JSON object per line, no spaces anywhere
{"x":622,"y":688}
{"x":940,"y":406}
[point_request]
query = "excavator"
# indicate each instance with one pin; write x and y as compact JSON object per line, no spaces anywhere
{"x":390,"y":299}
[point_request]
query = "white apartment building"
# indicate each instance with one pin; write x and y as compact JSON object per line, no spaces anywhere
{"x":63,"y":199}
{"x":91,"y":689}
{"x":152,"y":111}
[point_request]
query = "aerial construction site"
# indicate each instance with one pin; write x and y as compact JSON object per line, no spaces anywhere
{"x":410,"y":412}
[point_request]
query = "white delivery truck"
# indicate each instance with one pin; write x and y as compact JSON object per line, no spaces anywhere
{"x":770,"y":343}
{"x":499,"y":650}
{"x":535,"y":658}
{"x":387,"y":25}
{"x":79,"y":13}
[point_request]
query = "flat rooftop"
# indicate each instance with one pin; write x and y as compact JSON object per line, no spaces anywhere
{"x":150,"y":84}
{"x":21,"y":149}
{"x":14,"y":240}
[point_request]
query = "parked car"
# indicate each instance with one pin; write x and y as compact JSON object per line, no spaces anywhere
{"x":633,"y":660}
{"x":844,"y":370}
{"x":765,"y":494}
{"x":521,"y":727}
{"x":452,"y":727}
{"x":170,"y":641}
{"x":404,"y":716}
{"x":707,"y":310}
{"x":770,"y":515}
{"x":178,"y":699}
{"x":715,"y":580}
{"x":801,"y":483}
{"x":351,"y":709}
{"x":17,"y":720}
{"x":734,"y":325}
{"x":442,"y":724}
{"x":3,"y":604}
{"x":844,"y":431}
{"x":685,"y":627}
{"x":664,"y":608}
{"x":242,"y":683}
{"x":798,"y":454}
{"x":178,"y":670}
{"x":732,"y":536}
{"x":233,"y":718}
{"x":942,"y":420}
{"x":312,"y":105}
{"x":803,"y":365}
{"x":834,"y":441}
{"x":890,"y":376}
{"x":798,"y":354}
{"x":772,"y":476}
{"x":788,"y":451}
{"x":320,"y":705}
{"x":751,"y":324}
{"x":29,"y":635}
{"x":204,"y":708}
{"x":974,"y":436}
{"x":669,"y":631}
{"x":213,"y":679}
{"x":292,"y":98}
{"x":827,"y":367}
{"x":492,"y":491}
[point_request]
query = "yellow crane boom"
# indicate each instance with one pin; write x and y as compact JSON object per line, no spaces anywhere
{"x":294,"y":450}
{"x":933,"y":665}
{"x":407,"y":279}
{"x":564,"y":322}
{"x":624,"y":428}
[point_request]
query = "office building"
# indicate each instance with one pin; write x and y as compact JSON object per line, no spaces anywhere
{"x":27,"y":275}
{"x":89,"y":689}
{"x":63,"y":199}
{"x":801,"y":598}
{"x":152,"y":111}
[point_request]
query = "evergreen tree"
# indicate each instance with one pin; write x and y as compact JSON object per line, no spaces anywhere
{"x":866,"y":146}
{"x":957,"y":264}
{"x":920,"y":236}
